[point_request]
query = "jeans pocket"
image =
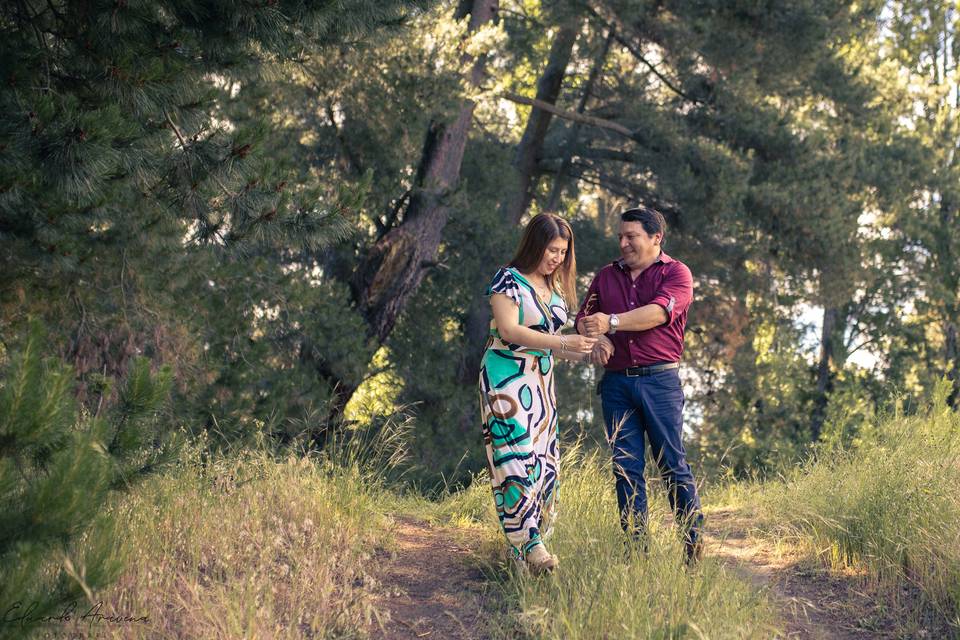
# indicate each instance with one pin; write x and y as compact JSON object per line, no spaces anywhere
{"x":669,"y":379}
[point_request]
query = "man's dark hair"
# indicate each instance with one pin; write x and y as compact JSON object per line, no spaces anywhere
{"x":651,"y":219}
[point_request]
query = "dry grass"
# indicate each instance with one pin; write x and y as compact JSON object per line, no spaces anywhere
{"x":248,"y":547}
{"x":889,"y":508}
{"x":255,"y":547}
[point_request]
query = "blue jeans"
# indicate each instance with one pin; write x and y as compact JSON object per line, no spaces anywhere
{"x":635,"y":406}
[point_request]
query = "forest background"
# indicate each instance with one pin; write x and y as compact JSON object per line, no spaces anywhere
{"x":249,"y":221}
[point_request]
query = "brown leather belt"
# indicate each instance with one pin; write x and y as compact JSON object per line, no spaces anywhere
{"x":649,"y":370}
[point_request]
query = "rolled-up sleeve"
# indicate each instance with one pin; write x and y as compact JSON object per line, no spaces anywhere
{"x":591,"y":302}
{"x":675,"y":291}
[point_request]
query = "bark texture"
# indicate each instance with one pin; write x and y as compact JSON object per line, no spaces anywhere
{"x":530,"y":148}
{"x":389,"y":274}
{"x":824,"y":372}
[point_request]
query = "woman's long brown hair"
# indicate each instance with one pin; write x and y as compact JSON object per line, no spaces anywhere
{"x":543,"y":229}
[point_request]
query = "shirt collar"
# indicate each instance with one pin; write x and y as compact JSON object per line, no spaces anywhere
{"x":662,"y":258}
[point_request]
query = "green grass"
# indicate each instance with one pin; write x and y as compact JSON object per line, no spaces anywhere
{"x":888,"y":506}
{"x":602,"y":589}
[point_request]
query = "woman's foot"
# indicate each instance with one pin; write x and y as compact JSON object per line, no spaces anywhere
{"x":539,"y":560}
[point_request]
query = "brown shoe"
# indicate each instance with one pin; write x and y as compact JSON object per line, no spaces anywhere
{"x":693,"y":552}
{"x":693,"y":541}
{"x":540,"y":561}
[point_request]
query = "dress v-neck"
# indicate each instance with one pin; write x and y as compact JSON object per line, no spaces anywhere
{"x":536,"y":295}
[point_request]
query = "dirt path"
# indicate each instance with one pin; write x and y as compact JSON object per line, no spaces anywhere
{"x":431,"y":589}
{"x":429,"y":586}
{"x":813,"y":603}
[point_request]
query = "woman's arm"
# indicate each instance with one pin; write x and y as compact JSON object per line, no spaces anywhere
{"x":505,"y":315}
{"x":572,"y":357}
{"x":600,"y":354}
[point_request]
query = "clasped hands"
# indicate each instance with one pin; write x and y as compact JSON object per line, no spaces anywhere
{"x":596,"y":326}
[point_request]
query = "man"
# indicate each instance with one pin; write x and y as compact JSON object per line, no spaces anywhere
{"x":640,"y":302}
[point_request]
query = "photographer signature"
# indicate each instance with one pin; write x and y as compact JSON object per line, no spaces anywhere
{"x":17,"y":613}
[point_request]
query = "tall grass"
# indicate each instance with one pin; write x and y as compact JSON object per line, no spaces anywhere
{"x":889,"y":505}
{"x":604,"y":589}
{"x":252,"y":546}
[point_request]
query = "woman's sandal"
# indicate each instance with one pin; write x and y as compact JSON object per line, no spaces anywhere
{"x":541,"y":561}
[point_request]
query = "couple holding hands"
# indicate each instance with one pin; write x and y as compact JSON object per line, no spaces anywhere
{"x":632,"y":322}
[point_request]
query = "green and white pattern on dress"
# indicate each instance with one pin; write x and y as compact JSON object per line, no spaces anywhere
{"x":519,"y":411}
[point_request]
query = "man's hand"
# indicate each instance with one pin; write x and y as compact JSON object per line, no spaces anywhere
{"x":602,"y":351}
{"x":595,"y":325}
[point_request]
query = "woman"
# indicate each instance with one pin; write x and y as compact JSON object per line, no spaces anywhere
{"x":530,"y":298}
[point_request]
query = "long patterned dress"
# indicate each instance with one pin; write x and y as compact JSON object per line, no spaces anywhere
{"x":519,"y":411}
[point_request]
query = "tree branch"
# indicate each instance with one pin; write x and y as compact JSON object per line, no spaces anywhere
{"x":639,"y":56}
{"x":553,"y":200}
{"x":183,"y":145}
{"x":627,"y":189}
{"x":570,"y":115}
{"x":618,"y":28}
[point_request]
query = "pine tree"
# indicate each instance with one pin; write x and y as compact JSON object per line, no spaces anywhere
{"x":107,"y":118}
{"x":392,"y":268}
{"x":137,"y":160}
{"x":57,"y":467}
{"x":747,"y":127}
{"x":127,"y":173}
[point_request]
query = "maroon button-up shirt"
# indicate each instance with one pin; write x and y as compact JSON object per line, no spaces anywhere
{"x":668,"y":283}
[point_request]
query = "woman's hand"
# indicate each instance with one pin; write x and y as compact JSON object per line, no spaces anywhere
{"x":578,"y":344}
{"x":508,"y":324}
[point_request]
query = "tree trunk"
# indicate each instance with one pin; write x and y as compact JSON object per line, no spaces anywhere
{"x":952,"y":353}
{"x":526,"y":160}
{"x":531,"y":145}
{"x":824,"y":374}
{"x":392,"y":270}
{"x":554,"y":201}
{"x":950,"y":280}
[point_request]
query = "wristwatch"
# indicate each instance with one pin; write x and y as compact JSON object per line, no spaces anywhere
{"x":614,"y":323}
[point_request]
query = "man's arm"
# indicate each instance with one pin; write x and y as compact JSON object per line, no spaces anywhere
{"x":646,"y":317}
{"x":672,"y":299}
